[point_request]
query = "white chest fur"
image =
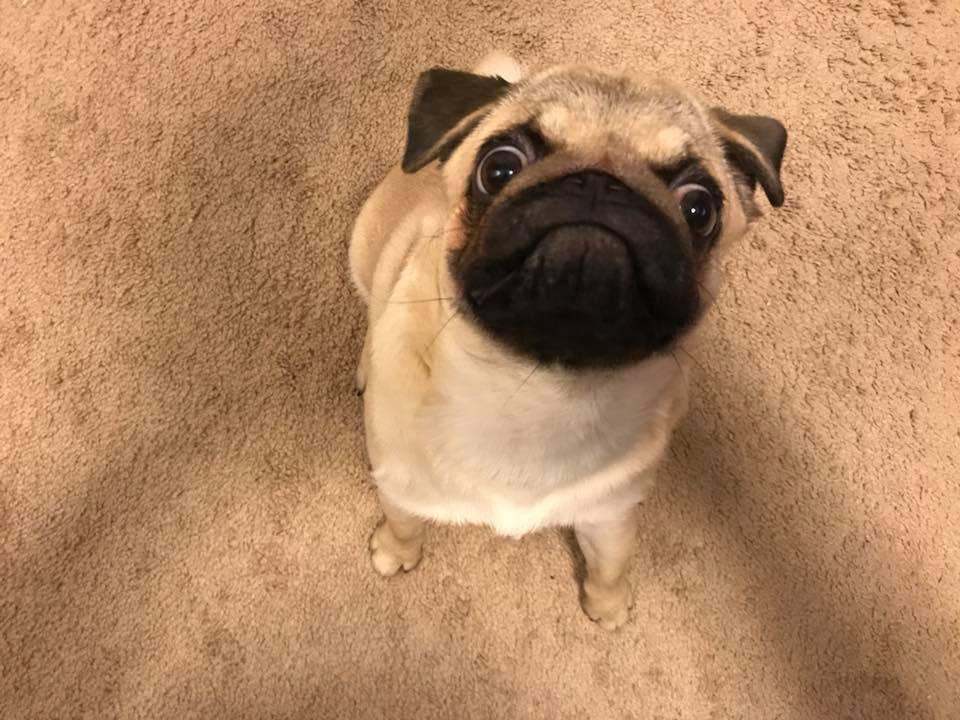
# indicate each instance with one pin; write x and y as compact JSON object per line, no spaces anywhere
{"x":460,"y":432}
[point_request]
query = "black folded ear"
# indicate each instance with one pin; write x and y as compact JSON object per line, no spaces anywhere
{"x":446,"y":106}
{"x":754,"y":145}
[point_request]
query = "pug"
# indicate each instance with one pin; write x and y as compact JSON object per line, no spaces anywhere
{"x":530,"y":268}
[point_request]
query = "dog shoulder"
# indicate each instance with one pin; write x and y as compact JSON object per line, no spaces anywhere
{"x":397,"y":201}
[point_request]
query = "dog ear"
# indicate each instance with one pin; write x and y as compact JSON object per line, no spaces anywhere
{"x":446,"y":106}
{"x":754,"y":145}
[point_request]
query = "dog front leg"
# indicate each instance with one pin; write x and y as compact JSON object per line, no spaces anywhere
{"x":607,"y":547}
{"x":398,"y":541}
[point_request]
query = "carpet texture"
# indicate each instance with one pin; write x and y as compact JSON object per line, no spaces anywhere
{"x":184,"y":504}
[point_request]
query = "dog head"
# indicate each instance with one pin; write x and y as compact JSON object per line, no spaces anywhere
{"x":588,"y":204}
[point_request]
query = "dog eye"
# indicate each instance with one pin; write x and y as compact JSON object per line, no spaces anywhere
{"x":498,"y":166}
{"x":699,"y":208}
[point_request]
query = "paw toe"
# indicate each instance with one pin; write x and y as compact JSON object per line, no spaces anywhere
{"x":384,"y":563}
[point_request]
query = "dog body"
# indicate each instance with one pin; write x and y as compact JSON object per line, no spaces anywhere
{"x":459,"y":432}
{"x":516,"y":369}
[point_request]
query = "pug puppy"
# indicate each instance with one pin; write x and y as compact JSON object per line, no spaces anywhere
{"x":544,"y":246}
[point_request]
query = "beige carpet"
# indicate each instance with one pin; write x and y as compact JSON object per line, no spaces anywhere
{"x":184,"y":506}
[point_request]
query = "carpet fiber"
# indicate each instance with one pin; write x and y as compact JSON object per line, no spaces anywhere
{"x":184,"y":504}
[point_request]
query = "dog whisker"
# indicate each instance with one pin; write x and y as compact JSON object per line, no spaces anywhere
{"x":444,"y":326}
{"x":686,"y":352}
{"x":521,"y":386}
{"x":414,"y":302}
{"x":446,"y":231}
{"x":676,"y":360}
{"x":703,"y":289}
{"x":481,"y":297}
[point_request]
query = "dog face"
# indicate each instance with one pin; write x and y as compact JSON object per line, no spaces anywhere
{"x":588,"y":205}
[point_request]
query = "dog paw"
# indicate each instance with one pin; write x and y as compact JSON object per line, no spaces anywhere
{"x":389,"y":555}
{"x":610,"y":609}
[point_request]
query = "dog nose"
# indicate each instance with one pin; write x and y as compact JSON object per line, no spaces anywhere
{"x":594,"y":184}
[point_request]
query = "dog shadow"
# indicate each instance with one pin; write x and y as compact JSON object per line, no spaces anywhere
{"x":753,"y":505}
{"x":238,"y":349}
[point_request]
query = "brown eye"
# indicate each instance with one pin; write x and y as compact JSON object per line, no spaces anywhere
{"x":497,"y":168}
{"x":699,"y":208}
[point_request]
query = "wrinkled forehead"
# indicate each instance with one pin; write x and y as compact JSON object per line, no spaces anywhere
{"x":596,"y":115}
{"x":582,"y":109}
